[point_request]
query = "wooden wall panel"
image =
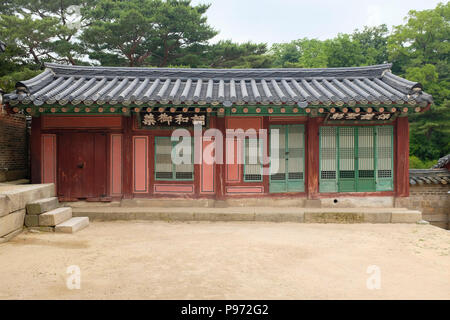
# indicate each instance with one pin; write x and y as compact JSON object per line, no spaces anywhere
{"x":116,"y":164}
{"x":82,"y":122}
{"x":244,"y":123}
{"x":244,"y":190}
{"x":48,"y":158}
{"x":140,"y":164}
{"x":173,"y":188}
{"x":100,"y":165}
{"x":207,"y":169}
{"x":234,"y":170}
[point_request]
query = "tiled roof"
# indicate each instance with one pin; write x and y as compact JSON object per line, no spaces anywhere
{"x":429,"y":176}
{"x":442,"y":162}
{"x":330,"y":86}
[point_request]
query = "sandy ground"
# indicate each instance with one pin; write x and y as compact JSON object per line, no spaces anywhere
{"x":158,"y":260}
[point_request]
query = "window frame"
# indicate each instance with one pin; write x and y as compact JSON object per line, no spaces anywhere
{"x":290,"y":185}
{"x":174,"y":172}
{"x":380,"y":183}
{"x":260,"y":153}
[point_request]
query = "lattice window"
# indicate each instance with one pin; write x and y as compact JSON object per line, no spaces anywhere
{"x":278,"y":177}
{"x":356,"y":159}
{"x":253,"y":160}
{"x":295,"y":152}
{"x":281,"y":172}
{"x":328,"y":153}
{"x":165,"y":168}
{"x":328,"y":175}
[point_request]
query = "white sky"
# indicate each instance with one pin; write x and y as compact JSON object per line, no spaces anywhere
{"x":273,"y":21}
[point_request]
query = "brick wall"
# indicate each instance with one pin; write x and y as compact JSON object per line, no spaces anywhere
{"x":433,"y":200}
{"x":13,"y":147}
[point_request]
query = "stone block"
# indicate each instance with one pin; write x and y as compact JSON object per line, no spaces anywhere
{"x":11,"y":222}
{"x":358,"y":202}
{"x":31,"y":220}
{"x":42,"y":205}
{"x":54,"y":217}
{"x":11,"y":235}
{"x":3,"y":205}
{"x":177,"y":216}
{"x":280,"y":217}
{"x":232,"y":216}
{"x":407,"y":216}
{"x":334,"y":217}
{"x":313,"y":203}
{"x":377,"y":217}
{"x":42,"y":229}
{"x":152,"y":216}
{"x":19,"y":196}
{"x":264,"y":202}
{"x":72,"y":225}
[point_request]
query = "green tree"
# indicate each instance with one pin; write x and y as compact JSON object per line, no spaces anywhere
{"x":343,"y":51}
{"x":423,"y":39}
{"x":313,"y":54}
{"x":302,"y":53}
{"x":227,"y":54}
{"x":373,"y":43}
{"x":44,"y":30}
{"x":144,"y":32}
{"x":285,"y":54}
{"x":419,"y":50}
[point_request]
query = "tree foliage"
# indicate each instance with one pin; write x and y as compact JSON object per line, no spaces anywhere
{"x":419,"y":50}
{"x":144,"y":32}
{"x":44,"y":30}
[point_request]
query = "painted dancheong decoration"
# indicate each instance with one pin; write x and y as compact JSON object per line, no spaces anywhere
{"x":340,"y":131}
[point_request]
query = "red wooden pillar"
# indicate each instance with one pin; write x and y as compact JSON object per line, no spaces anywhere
{"x":312,"y":158}
{"x":127,"y":158}
{"x":402,"y":158}
{"x":220,"y":167}
{"x":35,"y":146}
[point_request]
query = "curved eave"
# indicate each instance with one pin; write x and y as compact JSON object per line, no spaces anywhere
{"x":372,"y":85}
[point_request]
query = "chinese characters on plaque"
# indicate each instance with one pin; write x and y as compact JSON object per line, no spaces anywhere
{"x":360,"y":116}
{"x":165,"y":119}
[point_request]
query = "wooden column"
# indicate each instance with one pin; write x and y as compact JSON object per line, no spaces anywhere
{"x":312,"y":158}
{"x":127,"y":158}
{"x":402,"y":158}
{"x":220,"y":168}
{"x":35,"y":150}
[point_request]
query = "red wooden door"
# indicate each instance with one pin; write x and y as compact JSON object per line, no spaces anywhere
{"x":81,"y":166}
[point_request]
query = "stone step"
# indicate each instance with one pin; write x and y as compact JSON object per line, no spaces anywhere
{"x":72,"y":225}
{"x":11,"y":222}
{"x":272,"y":214}
{"x":42,"y":205}
{"x":11,"y":235}
{"x":18,"y":196}
{"x":55,"y":217}
{"x":210,"y":203}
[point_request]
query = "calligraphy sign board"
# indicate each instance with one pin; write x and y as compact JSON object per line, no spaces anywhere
{"x":360,"y":116}
{"x":172,"y":119}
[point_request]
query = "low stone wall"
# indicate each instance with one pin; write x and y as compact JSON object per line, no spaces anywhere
{"x":432,"y":199}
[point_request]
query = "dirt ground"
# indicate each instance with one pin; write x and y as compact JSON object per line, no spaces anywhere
{"x":158,"y":260}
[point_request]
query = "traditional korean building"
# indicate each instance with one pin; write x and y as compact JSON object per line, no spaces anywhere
{"x":103,"y":133}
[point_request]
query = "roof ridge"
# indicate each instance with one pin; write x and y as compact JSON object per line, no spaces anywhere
{"x":385,"y":66}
